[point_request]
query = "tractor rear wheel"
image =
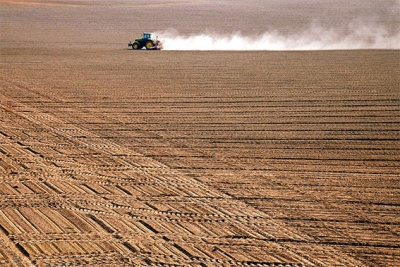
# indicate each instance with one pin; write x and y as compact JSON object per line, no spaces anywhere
{"x":149,"y":44}
{"x":136,"y":46}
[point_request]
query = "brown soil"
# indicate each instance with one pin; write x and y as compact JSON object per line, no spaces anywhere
{"x":114,"y":157}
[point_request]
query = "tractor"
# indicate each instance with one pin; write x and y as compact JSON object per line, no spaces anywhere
{"x":147,"y":42}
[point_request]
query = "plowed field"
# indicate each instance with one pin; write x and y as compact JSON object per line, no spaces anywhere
{"x":115,"y":157}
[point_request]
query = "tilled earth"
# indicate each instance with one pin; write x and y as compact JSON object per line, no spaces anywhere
{"x":114,"y":157}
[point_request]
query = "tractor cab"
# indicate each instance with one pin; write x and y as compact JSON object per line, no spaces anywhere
{"x":146,"y":35}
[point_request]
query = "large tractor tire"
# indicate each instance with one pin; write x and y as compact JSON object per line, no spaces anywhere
{"x":149,"y":45}
{"x":136,"y":46}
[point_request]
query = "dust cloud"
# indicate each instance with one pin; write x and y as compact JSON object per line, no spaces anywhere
{"x":355,"y":36}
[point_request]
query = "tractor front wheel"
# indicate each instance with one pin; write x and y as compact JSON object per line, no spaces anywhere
{"x":136,"y":46}
{"x":149,"y":45}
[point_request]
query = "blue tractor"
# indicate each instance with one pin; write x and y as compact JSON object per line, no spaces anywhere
{"x":147,"y":42}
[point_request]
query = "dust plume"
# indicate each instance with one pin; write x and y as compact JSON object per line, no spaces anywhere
{"x":355,"y":36}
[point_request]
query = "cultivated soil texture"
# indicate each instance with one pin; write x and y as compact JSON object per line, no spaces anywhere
{"x":115,"y":157}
